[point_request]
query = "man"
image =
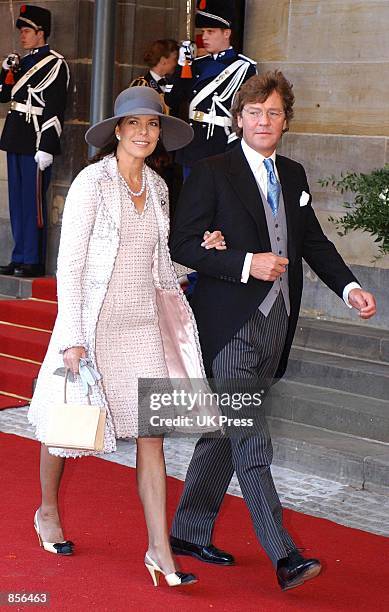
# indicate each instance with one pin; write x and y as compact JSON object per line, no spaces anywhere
{"x":37,"y":89}
{"x":216,"y":77}
{"x":246,"y":304}
{"x":161,"y":57}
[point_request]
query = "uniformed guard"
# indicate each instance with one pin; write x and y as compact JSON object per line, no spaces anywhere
{"x":215,"y":79}
{"x":36,"y":85}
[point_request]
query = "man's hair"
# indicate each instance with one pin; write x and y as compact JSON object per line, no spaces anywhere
{"x":158,"y":49}
{"x":257,"y":89}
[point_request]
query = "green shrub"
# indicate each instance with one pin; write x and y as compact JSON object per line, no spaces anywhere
{"x":369,"y":210}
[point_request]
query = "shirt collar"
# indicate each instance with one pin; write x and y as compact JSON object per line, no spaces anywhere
{"x":155,"y":76}
{"x":39,"y":49}
{"x":254,"y":158}
{"x":222,"y":53}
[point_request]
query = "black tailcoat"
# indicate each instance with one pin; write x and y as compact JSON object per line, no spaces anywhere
{"x":221,"y":193}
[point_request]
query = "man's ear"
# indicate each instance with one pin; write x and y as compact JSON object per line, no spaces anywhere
{"x":285,"y":127}
{"x":239,"y":120}
{"x":227,"y":33}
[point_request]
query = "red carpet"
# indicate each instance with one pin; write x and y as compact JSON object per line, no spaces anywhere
{"x":40,"y":315}
{"x":45,"y":288}
{"x":17,"y":375}
{"x":7,"y":401}
{"x":23,"y":342}
{"x":103,"y":517}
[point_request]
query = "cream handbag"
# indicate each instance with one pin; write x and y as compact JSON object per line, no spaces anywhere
{"x":76,"y":426}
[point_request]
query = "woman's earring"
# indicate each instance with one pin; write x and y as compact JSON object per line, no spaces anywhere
{"x":117,"y":136}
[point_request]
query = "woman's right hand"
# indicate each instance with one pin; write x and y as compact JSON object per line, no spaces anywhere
{"x":72,"y":356}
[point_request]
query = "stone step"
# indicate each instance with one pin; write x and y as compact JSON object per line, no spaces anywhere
{"x":314,"y":450}
{"x":337,"y":411}
{"x":343,"y":338}
{"x":340,"y":372}
{"x":15,"y":287}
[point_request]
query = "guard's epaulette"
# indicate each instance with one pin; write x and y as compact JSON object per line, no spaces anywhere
{"x":196,"y":59}
{"x":247,"y":58}
{"x":56,"y":54}
{"x":139,"y":81}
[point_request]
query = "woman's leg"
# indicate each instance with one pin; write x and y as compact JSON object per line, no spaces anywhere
{"x":151,"y":478}
{"x":51,"y":469}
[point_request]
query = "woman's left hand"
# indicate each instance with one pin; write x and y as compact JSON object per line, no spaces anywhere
{"x":214,"y":240}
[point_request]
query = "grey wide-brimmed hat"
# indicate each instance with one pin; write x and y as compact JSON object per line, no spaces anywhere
{"x":175,"y":133}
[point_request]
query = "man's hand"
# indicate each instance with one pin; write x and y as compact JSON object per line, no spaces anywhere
{"x":43,"y":159}
{"x":364,"y":302}
{"x":72,"y":356}
{"x":267,"y":266}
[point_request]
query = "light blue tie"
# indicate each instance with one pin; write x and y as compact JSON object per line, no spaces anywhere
{"x":273,"y":186}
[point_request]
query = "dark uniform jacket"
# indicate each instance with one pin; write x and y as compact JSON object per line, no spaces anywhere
{"x":222,"y":192}
{"x":205,"y":69}
{"x":19,"y":135}
{"x":146,"y":80}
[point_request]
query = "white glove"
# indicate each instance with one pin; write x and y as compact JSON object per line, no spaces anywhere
{"x":11,"y":61}
{"x":43,"y":159}
{"x":186,"y":52}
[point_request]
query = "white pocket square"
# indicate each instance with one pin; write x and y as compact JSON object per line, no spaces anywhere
{"x":304,"y":198}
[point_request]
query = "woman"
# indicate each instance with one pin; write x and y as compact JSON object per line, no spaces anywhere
{"x":161,"y":57}
{"x":113,"y":259}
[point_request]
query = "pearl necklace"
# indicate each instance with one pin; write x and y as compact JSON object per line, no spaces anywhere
{"x":143,"y":186}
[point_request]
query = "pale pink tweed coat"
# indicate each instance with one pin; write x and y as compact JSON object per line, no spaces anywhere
{"x":88,"y":248}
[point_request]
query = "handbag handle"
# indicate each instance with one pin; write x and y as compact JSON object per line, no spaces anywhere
{"x":64,"y":389}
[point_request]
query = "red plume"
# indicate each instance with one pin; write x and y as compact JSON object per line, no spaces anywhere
{"x":203,"y":5}
{"x":9,"y":79}
{"x":186,"y":72}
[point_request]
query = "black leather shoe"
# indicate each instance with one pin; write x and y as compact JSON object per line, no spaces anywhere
{"x":209,"y":554}
{"x":295,"y":570}
{"x":29,"y":270}
{"x":9,"y":269}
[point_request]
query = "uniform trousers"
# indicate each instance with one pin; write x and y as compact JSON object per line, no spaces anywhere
{"x":30,"y":241}
{"x":252,"y":354}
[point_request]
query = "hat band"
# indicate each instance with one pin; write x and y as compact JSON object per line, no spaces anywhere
{"x":34,"y":25}
{"x":138,"y":109}
{"x":211,"y":16}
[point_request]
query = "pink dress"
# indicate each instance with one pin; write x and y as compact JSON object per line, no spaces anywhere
{"x":128,"y":339}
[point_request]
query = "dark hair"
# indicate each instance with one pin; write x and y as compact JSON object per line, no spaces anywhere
{"x":257,"y":89}
{"x":157,"y":161}
{"x":159,"y":48}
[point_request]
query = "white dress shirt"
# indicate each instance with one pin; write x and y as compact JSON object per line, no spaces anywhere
{"x":255,"y":161}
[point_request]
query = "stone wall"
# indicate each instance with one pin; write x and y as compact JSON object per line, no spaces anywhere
{"x":138,"y":23}
{"x":336,"y":54}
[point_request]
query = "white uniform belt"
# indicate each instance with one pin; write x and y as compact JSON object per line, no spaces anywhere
{"x":22,"y":108}
{"x":197,"y":115}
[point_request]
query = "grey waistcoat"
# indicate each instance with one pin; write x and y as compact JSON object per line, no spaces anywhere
{"x":279,"y":245}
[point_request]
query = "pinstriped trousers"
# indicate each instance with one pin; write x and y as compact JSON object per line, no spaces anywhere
{"x":253,"y":353}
